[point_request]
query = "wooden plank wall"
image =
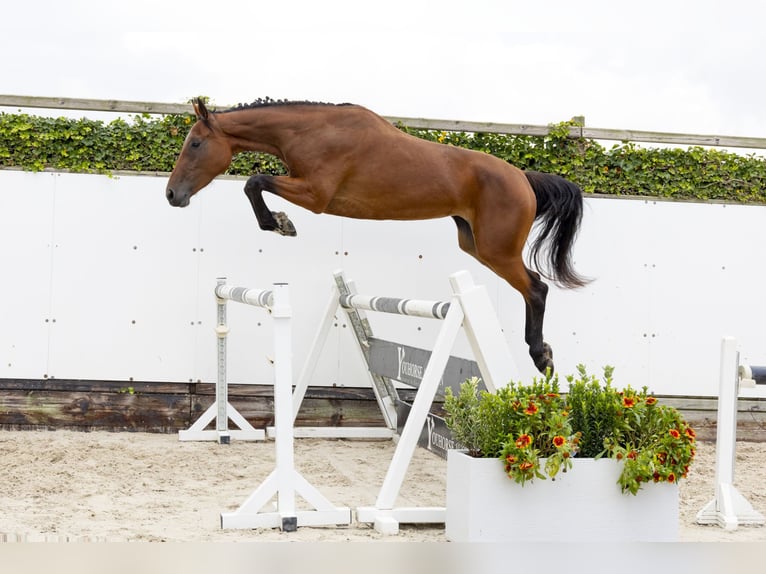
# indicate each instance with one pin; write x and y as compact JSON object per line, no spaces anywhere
{"x":170,"y":407}
{"x":165,"y":407}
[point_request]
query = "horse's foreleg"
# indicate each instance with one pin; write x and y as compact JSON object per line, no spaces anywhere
{"x":267,"y":220}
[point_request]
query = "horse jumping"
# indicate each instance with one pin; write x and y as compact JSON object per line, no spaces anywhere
{"x":346,"y":160}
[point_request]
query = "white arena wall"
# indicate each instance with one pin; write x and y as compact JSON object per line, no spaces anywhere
{"x":103,"y":280}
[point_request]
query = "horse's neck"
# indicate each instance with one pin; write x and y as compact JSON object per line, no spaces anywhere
{"x":253,"y":130}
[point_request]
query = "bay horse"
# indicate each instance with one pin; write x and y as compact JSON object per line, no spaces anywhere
{"x":346,"y":160}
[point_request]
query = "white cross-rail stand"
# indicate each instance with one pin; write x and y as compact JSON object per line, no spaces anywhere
{"x":728,"y":509}
{"x":221,"y":410}
{"x":284,"y":482}
{"x":469,"y":308}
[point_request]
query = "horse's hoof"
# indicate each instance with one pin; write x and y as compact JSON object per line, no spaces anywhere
{"x":544,"y":360}
{"x":284,"y":225}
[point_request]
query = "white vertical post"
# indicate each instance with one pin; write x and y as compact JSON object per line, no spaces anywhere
{"x":283,"y":405}
{"x":222,"y":386}
{"x":729,"y":508}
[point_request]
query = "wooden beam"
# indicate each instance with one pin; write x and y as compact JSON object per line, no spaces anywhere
{"x":94,"y":105}
{"x":667,"y":138}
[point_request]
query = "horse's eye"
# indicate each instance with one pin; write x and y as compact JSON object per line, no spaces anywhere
{"x":196,"y":143}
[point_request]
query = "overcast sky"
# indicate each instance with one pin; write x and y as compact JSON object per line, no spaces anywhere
{"x":663,"y":65}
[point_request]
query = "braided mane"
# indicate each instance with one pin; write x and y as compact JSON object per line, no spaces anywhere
{"x":267,"y":102}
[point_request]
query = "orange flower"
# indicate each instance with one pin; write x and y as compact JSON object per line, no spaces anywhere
{"x":671,"y":478}
{"x":690,"y":432}
{"x":632,"y":455}
{"x":651,"y":400}
{"x":523,"y":441}
{"x":510,"y":459}
{"x":559,"y":441}
{"x":662,"y":457}
{"x":629,"y":402}
{"x":526,"y":466}
{"x":531,"y":409}
{"x":674,"y":433}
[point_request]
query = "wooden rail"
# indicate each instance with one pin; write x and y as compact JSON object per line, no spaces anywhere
{"x":169,"y":407}
{"x":415,"y":123}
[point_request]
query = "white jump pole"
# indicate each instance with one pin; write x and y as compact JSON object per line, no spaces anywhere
{"x":728,"y":509}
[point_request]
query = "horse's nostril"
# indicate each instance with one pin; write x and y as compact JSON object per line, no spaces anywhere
{"x":169,"y":194}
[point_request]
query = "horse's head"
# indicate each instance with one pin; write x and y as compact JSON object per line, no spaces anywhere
{"x":205,"y":155}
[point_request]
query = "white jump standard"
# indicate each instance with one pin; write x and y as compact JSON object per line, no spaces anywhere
{"x":469,"y":308}
{"x":728,"y":509}
{"x":284,"y":482}
{"x":221,"y":410}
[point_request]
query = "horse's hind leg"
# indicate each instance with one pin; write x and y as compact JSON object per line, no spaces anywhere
{"x":535,"y":292}
{"x":507,"y":262}
{"x":539,"y":350}
{"x":465,"y":236}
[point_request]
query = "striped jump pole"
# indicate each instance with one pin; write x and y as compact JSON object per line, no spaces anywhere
{"x":409,"y":307}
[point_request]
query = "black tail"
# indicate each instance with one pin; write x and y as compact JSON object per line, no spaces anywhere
{"x":559,"y":209}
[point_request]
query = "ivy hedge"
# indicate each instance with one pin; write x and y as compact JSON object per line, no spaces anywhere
{"x":151,"y":143}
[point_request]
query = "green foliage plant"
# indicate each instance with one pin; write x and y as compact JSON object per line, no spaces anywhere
{"x":535,"y":431}
{"x":525,"y":426}
{"x":654,"y":442}
{"x":463,"y":415}
{"x":594,"y":410}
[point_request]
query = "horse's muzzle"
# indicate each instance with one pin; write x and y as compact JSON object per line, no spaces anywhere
{"x":177,"y":199}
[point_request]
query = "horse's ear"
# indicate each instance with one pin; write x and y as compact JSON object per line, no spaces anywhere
{"x":199,"y":109}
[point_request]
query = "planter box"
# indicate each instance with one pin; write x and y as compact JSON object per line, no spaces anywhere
{"x":584,"y":504}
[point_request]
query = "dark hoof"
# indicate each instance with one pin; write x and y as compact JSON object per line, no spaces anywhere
{"x":544,"y":359}
{"x":284,"y":225}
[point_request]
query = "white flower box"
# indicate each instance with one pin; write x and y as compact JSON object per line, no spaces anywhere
{"x":584,"y":504}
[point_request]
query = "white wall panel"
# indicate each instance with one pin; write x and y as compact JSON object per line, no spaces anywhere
{"x":129,"y":281}
{"x":26,"y":236}
{"x":124,"y":281}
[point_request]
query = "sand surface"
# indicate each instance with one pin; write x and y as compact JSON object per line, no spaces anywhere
{"x":100,"y":486}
